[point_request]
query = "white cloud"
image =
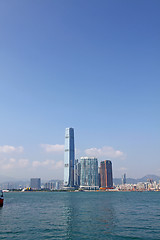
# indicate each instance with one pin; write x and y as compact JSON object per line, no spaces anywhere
{"x":123,"y":169}
{"x":57,"y":148}
{"x":43,"y":163}
{"x":12,"y":160}
{"x":59,"y":164}
{"x":12,"y":163}
{"x":50,"y":164}
{"x":36,"y":164}
{"x":8,"y":163}
{"x":106,"y":151}
{"x":23,"y":162}
{"x":11,"y":149}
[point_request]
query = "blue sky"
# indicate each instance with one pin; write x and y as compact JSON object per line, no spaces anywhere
{"x":91,"y":65}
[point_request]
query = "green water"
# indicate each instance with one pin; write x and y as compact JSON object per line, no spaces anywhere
{"x":80,"y":215}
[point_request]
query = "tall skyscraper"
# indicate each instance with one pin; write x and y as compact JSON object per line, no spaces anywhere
{"x":69,"y":158}
{"x":106,"y":174}
{"x":89,"y":173}
{"x":124,"y":179}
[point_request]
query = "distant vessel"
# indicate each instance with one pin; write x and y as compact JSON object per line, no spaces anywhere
{"x":1,"y":198}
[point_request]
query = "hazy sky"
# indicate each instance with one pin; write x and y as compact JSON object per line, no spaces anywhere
{"x":91,"y":65}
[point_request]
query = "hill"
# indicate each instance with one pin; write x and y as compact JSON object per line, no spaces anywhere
{"x":136,"y":180}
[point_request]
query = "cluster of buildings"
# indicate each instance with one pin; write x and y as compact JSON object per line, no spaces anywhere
{"x":149,"y":185}
{"x":86,"y":174}
{"x":35,"y":184}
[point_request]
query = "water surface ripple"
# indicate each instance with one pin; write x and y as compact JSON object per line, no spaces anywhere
{"x":80,"y":215}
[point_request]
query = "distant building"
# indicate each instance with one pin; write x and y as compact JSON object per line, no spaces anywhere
{"x":57,"y":185}
{"x":69,"y":156}
{"x":35,"y":183}
{"x":49,"y":185}
{"x":124,"y":179}
{"x":150,"y":180}
{"x":106,"y":174}
{"x":89,"y":173}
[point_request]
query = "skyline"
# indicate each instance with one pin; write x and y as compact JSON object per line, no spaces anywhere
{"x":91,"y":66}
{"x":59,"y":149}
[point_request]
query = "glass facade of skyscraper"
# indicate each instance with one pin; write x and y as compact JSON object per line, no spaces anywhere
{"x":69,"y":158}
{"x":77,"y":169}
{"x":89,"y":173}
{"x":124,"y":178}
{"x":106,"y":174}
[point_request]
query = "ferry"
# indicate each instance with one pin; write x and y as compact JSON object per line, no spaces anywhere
{"x":1,"y":198}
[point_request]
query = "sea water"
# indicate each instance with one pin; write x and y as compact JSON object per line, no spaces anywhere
{"x":80,"y":215}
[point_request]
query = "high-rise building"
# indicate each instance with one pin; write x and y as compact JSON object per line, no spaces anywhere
{"x":124,"y":179}
{"x":35,"y":183}
{"x":79,"y":173}
{"x":106,"y":174}
{"x":49,"y":185}
{"x":69,"y":158}
{"x":99,"y":177}
{"x":57,"y":185}
{"x":89,"y":173}
{"x":77,"y":169}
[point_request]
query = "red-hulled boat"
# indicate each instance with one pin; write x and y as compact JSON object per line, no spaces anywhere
{"x":1,"y":198}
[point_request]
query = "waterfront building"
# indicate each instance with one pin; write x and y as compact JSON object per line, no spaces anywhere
{"x":77,"y":171}
{"x":124,"y":178}
{"x":35,"y":183}
{"x":89,"y":173}
{"x":106,"y":174}
{"x":57,"y":185}
{"x":69,"y":156}
{"x":49,"y":185}
{"x":99,"y":178}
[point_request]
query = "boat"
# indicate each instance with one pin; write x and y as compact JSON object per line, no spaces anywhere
{"x":1,"y":198}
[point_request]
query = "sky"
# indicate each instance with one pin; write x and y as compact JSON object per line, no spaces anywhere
{"x":91,"y":65}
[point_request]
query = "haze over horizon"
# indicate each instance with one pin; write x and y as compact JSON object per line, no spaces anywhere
{"x":91,"y":65}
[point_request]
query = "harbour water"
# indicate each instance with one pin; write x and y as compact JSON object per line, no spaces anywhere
{"x":80,"y":215}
